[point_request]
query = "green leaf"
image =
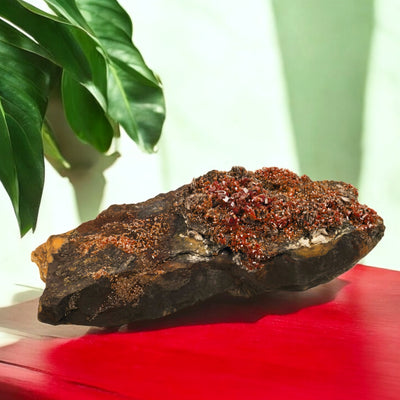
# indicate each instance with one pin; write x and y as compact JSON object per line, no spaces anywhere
{"x":113,"y":28}
{"x":137,"y":107}
{"x":68,"y":8}
{"x":24,"y":85}
{"x":134,"y":94}
{"x":98,"y":84}
{"x":8,"y":172}
{"x":52,"y":35}
{"x":70,"y":47}
{"x":85,"y":115}
{"x":13,"y":37}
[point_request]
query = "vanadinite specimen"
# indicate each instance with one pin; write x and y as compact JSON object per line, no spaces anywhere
{"x":239,"y":233}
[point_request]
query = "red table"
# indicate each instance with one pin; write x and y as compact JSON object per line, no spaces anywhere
{"x":336,"y":341}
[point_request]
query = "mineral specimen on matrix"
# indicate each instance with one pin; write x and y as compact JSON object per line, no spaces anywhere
{"x":239,"y":233}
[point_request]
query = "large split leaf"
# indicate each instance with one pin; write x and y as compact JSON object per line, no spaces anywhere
{"x":105,"y":83}
{"x":96,"y":34}
{"x":24,"y":86}
{"x":134,"y":94}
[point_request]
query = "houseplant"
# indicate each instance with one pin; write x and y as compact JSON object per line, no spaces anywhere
{"x":80,"y":52}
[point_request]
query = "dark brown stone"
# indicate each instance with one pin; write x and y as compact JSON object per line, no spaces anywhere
{"x":239,"y":233}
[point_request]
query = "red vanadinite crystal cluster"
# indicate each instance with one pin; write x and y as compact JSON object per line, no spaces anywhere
{"x":255,"y":213}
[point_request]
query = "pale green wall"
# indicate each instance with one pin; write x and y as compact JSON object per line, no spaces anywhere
{"x":224,"y":86}
{"x":325,"y":48}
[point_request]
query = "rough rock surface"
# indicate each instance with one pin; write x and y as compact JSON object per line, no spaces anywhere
{"x":239,"y":232}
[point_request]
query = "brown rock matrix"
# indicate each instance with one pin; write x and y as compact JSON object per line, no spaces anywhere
{"x":240,"y":233}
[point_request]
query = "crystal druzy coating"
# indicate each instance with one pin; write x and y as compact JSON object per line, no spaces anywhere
{"x":256,"y":213}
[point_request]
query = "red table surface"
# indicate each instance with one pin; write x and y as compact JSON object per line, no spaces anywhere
{"x":340,"y":340}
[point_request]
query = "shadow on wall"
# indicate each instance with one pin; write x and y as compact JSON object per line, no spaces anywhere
{"x":325,"y":48}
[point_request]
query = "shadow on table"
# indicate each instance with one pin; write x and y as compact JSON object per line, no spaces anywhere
{"x":21,"y":319}
{"x":224,"y":309}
